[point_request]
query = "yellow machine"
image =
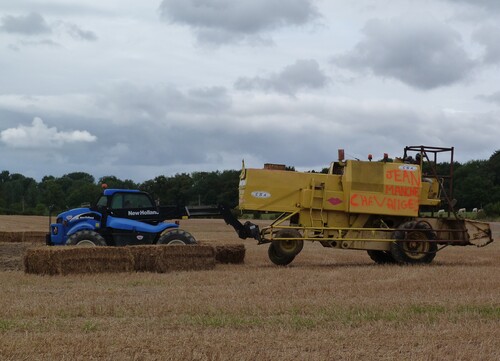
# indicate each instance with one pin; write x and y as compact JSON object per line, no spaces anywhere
{"x":360,"y":205}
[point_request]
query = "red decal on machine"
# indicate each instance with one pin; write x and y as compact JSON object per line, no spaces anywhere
{"x":334,"y":201}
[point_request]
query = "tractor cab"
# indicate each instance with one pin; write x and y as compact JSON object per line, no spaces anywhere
{"x":128,"y":203}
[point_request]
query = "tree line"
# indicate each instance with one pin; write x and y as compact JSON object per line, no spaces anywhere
{"x":476,"y":185}
{"x":24,"y":195}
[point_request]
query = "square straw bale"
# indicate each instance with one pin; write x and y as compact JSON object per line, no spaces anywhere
{"x":24,"y":236}
{"x":184,"y":258}
{"x":34,"y":236}
{"x":230,"y":253}
{"x":165,"y":258}
{"x":145,"y":257}
{"x":10,"y":236}
{"x":72,"y":260}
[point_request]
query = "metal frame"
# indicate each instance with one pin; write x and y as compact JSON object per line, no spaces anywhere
{"x":277,"y":225}
{"x":424,"y":151}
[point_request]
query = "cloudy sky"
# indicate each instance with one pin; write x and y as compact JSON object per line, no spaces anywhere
{"x":138,"y":89}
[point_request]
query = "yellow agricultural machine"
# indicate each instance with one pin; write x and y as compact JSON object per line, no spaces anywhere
{"x":388,"y":208}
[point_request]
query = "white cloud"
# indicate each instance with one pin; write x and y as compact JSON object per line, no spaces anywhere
{"x":40,"y":136}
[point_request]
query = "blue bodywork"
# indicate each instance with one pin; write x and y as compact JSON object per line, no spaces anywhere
{"x":110,"y":227}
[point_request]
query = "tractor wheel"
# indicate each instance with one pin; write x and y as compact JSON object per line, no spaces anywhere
{"x":176,"y":236}
{"x":279,"y":258}
{"x":415,"y":249}
{"x":86,"y":238}
{"x":381,"y":257}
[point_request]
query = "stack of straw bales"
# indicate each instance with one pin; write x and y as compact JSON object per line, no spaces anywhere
{"x":148,"y":258}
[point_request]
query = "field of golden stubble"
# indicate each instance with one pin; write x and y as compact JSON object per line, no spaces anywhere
{"x":327,"y":305}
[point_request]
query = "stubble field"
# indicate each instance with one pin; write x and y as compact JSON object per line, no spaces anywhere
{"x":327,"y":305}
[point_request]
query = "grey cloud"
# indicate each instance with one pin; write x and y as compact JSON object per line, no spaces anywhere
{"x":492,"y":98}
{"x":489,"y":37}
{"x":177,"y":125}
{"x":44,"y":42}
{"x":78,"y":33}
{"x":226,"y":21}
{"x":486,"y":4}
{"x":423,"y":55}
{"x":31,"y":24}
{"x":478,"y":142}
{"x":35,"y":24}
{"x":13,"y":47}
{"x":303,"y":74}
{"x":208,"y":99}
{"x":129,"y":103}
{"x":214,"y":37}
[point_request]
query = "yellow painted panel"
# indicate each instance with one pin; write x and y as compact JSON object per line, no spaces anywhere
{"x":383,"y":188}
{"x":364,"y":187}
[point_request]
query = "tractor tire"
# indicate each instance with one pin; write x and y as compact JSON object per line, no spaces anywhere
{"x":381,"y":257}
{"x":277,"y":258}
{"x":176,"y":236}
{"x":86,"y":238}
{"x":414,"y":252}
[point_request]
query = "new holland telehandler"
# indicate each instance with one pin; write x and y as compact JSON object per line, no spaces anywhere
{"x":388,"y":208}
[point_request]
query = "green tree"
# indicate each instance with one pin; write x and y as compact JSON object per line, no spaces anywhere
{"x":473,"y":184}
{"x":212,"y":188}
{"x":51,"y":194}
{"x":229,"y":182}
{"x":18,"y":193}
{"x":494,"y":166}
{"x":205,"y":188}
{"x":174,"y":190}
{"x":113,"y":182}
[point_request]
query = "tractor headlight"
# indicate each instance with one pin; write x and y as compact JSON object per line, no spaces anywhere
{"x":55,"y":230}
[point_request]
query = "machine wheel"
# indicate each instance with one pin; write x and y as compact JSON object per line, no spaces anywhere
{"x":86,"y":238}
{"x":176,"y":236}
{"x":381,"y":257}
{"x":414,"y":250}
{"x":283,"y":252}
{"x":291,"y":246}
{"x":279,"y":258}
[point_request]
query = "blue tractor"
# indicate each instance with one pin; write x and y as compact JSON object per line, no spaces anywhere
{"x":120,"y":217}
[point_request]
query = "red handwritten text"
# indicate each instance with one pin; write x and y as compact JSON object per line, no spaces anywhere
{"x":401,"y":191}
{"x":403,"y":176}
{"x":393,"y":203}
